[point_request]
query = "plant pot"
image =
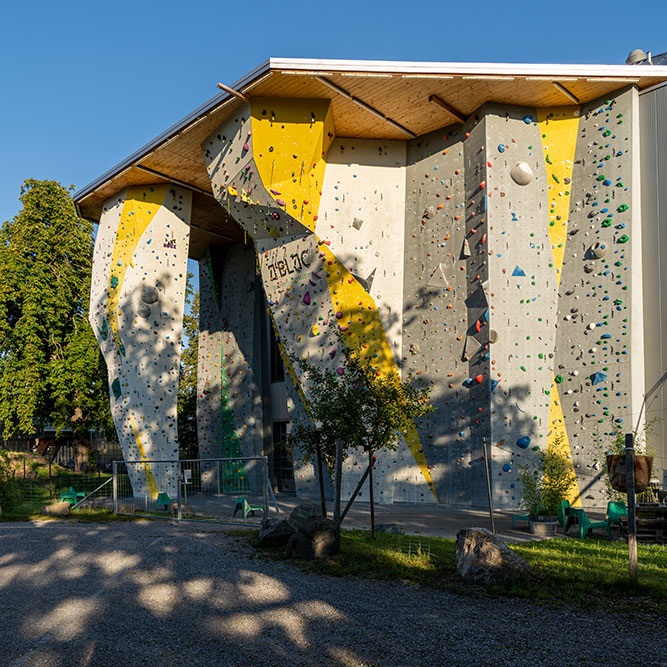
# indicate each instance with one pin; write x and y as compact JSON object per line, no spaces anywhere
{"x":544,"y":528}
{"x":617,"y":471}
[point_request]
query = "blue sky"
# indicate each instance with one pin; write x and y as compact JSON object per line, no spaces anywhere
{"x":85,"y":84}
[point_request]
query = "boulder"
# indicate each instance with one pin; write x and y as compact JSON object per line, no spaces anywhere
{"x":303,"y":513}
{"x":56,"y":509}
{"x":482,"y":557}
{"x":389,"y":528}
{"x":275,"y":533}
{"x":318,"y":538}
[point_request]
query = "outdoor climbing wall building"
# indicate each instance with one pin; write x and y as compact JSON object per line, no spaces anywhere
{"x":136,"y":311}
{"x":495,"y":254}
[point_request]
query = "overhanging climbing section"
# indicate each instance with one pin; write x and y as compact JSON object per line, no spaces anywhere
{"x":267,"y":165}
{"x":136,"y":311}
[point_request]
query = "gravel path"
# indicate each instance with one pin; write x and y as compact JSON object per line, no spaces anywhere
{"x":160,"y":594}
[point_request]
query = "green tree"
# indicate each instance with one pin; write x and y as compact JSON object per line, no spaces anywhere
{"x":358,"y":409}
{"x":51,"y":369}
{"x":188,"y":442}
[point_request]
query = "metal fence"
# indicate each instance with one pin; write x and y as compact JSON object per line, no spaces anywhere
{"x":226,"y":490}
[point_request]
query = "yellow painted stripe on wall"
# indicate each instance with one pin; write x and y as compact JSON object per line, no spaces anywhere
{"x":290,"y":140}
{"x":365,"y":331}
{"x":148,"y":472}
{"x":558,"y":129}
{"x":140,"y":206}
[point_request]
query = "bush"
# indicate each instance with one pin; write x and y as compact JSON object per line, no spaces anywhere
{"x":547,"y":481}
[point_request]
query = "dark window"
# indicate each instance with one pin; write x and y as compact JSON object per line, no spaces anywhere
{"x":276,"y":360}
{"x":282,"y":464}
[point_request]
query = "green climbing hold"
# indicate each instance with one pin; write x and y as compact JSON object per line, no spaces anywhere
{"x":622,"y":207}
{"x":601,"y":177}
{"x":113,"y":283}
{"x":558,"y":379}
{"x":606,"y":222}
{"x":115,"y":388}
{"x":623,"y":238}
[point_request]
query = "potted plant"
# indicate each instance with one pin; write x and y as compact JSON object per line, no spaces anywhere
{"x":615,"y":461}
{"x":545,"y":483}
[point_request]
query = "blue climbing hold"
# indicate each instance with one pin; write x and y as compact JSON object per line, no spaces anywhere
{"x":501,"y":148}
{"x":494,"y":384}
{"x":598,"y":377}
{"x":523,"y":442}
{"x":527,"y":119}
{"x":518,"y":271}
{"x":507,"y":467}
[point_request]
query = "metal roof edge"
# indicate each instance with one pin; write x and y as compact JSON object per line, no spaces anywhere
{"x":177,"y":127}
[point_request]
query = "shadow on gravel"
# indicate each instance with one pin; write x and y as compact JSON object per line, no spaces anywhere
{"x":102,"y":594}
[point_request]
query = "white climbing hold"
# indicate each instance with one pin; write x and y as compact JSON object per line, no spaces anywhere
{"x":521,"y":173}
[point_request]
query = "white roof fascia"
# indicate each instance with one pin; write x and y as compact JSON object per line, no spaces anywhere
{"x":500,"y":69}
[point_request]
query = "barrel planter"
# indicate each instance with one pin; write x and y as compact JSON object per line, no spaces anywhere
{"x":544,"y":525}
{"x":617,"y":471}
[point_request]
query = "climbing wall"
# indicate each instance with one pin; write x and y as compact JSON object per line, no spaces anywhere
{"x":599,"y":297}
{"x":209,"y":363}
{"x":229,"y":406}
{"x":136,"y":311}
{"x":559,"y":192}
{"x":491,"y":258}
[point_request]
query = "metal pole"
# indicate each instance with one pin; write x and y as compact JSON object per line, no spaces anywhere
{"x":339,"y":470}
{"x":265,"y":490}
{"x":632,"y":512}
{"x":114,"y":467}
{"x":488,"y":485}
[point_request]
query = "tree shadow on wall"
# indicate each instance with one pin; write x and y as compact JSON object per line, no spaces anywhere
{"x":147,"y":375}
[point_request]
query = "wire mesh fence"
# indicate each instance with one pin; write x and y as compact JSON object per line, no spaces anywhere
{"x":225,"y":490}
{"x":26,"y":494}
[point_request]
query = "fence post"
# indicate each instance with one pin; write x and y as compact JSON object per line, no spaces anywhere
{"x":178,"y":484}
{"x":632,"y":513}
{"x":114,"y":468}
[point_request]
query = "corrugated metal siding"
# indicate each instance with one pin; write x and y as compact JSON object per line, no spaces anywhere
{"x":653,"y":133}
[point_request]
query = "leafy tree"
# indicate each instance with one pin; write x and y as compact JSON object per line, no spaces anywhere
{"x":358,"y":409}
{"x":187,"y":384}
{"x":51,"y":369}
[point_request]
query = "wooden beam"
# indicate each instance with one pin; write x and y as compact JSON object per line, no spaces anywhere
{"x":571,"y":96}
{"x":233,"y":92}
{"x":447,"y":107}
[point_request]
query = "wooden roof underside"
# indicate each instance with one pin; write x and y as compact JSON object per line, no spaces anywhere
{"x":401,"y":97}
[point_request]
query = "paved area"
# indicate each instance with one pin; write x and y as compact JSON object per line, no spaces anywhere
{"x":157,"y":593}
{"x":423,"y":519}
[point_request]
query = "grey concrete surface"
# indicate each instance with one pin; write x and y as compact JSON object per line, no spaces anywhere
{"x":157,"y":593}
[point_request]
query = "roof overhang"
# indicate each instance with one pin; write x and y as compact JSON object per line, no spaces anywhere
{"x":371,"y":99}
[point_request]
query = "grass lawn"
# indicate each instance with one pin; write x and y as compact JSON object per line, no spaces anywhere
{"x":587,"y":573}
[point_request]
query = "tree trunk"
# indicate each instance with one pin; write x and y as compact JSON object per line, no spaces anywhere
{"x":319,"y":472}
{"x":370,"y":489}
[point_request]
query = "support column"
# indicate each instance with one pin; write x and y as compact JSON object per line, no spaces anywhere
{"x":136,"y":311}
